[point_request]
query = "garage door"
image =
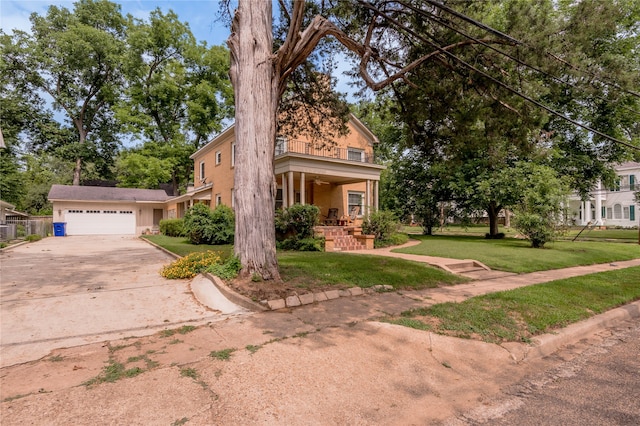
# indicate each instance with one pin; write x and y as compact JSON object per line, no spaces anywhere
{"x":100,"y":222}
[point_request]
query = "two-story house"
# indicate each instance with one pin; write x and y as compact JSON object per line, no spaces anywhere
{"x":611,"y":207}
{"x":342,"y":176}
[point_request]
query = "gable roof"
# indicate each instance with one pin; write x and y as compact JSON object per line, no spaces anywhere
{"x":100,"y":193}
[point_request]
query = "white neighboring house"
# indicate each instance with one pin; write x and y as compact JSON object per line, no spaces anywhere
{"x":611,"y":207}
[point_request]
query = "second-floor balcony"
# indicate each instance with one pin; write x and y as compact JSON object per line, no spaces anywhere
{"x":329,"y":152}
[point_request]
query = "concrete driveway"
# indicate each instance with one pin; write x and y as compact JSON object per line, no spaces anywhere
{"x":62,"y":292}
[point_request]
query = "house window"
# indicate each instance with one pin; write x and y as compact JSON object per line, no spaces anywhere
{"x":218,"y":199}
{"x":233,"y":198}
{"x":202,"y":175}
{"x":616,"y":185}
{"x":218,"y":157}
{"x":625,"y":212}
{"x":609,"y":213}
{"x":279,"y":202}
{"x":356,"y":199}
{"x":617,"y":211}
{"x":233,"y":154}
{"x":354,"y":154}
{"x":281,"y":145}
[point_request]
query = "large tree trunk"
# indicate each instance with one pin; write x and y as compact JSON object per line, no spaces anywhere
{"x":76,"y":171}
{"x":255,"y":84}
{"x":492,"y":210}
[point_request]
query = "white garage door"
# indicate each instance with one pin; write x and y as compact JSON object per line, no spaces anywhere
{"x":100,"y":222}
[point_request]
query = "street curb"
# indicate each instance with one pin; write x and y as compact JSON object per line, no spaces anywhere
{"x":547,"y":344}
{"x":236,"y":298}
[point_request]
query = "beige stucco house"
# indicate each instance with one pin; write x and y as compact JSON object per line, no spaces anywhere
{"x":342,"y":177}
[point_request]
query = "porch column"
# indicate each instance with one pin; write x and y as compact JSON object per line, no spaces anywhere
{"x":376,"y":195}
{"x":587,"y":215}
{"x":285,"y":192}
{"x":303,"y":188}
{"x":291,"y":195}
{"x":598,"y":206}
{"x":367,"y":199}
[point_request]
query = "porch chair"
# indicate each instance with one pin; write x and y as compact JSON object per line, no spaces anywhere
{"x":331,"y":219}
{"x":351,"y":218}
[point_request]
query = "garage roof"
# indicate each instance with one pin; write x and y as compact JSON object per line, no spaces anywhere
{"x":101,"y":193}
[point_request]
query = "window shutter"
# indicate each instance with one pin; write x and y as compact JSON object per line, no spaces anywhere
{"x":632,"y":182}
{"x":632,"y":213}
{"x":603,"y":211}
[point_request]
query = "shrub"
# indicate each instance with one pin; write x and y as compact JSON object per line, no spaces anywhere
{"x":205,"y":226}
{"x":294,"y":228}
{"x":297,"y":220}
{"x":304,"y":244}
{"x":223,"y":225}
{"x":191,"y":265}
{"x":382,"y":224}
{"x":172,"y":227}
{"x":227,"y":270}
{"x":33,"y":237}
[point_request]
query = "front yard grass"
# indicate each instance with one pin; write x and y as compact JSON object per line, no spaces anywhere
{"x":514,"y":255}
{"x":518,"y":315}
{"x":321,"y":270}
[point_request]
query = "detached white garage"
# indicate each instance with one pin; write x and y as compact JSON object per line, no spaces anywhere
{"x":95,"y":210}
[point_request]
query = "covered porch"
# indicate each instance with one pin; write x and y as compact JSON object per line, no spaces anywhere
{"x":337,"y":184}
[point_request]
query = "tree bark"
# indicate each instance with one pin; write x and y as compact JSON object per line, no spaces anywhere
{"x":256,"y":89}
{"x":492,"y":211}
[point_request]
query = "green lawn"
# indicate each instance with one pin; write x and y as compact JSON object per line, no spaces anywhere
{"x":182,"y":247}
{"x":619,"y":235}
{"x":517,"y":315}
{"x":514,"y":255}
{"x":325,"y":270}
{"x":318,"y":269}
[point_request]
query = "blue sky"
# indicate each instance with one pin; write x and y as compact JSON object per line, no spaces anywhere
{"x":200,"y":14}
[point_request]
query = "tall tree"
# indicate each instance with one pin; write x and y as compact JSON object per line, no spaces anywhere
{"x":372,"y":31}
{"x":178,"y":96}
{"x":74,"y":59}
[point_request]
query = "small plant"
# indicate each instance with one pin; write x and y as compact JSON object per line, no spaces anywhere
{"x":227,"y":270}
{"x":56,"y":358}
{"x":256,"y":278}
{"x":3,"y":245}
{"x":382,"y":224}
{"x":222,"y":355}
{"x":189,"y":372}
{"x":180,"y":422}
{"x":253,"y":348}
{"x":33,"y":237}
{"x":182,"y":330}
{"x":191,"y":265}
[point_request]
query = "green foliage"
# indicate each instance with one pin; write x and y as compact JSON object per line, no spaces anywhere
{"x":190,"y":265}
{"x":136,"y":170}
{"x":222,"y":355}
{"x":205,"y":226}
{"x":540,"y":212}
{"x":226,"y":270}
{"x":382,"y":224}
{"x":172,"y":227}
{"x":33,"y":237}
{"x":294,"y":228}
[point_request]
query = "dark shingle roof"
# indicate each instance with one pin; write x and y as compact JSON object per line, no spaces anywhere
{"x":99,"y":193}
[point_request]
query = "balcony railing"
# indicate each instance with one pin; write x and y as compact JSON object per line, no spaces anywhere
{"x":300,"y":147}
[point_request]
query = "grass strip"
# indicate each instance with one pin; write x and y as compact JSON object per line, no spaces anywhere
{"x":182,"y":246}
{"x":514,"y":255}
{"x":322,"y":269}
{"x":517,"y":315}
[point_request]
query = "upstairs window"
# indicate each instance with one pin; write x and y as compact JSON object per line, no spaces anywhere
{"x":233,"y":154}
{"x":218,"y":157}
{"x":355,"y":154}
{"x":202,"y":175}
{"x":281,"y":145}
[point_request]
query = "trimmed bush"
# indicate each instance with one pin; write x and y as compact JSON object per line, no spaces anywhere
{"x":172,"y":227}
{"x":382,"y":224}
{"x":205,"y":226}
{"x":33,"y":237}
{"x":294,"y":228}
{"x":191,"y":265}
{"x":227,"y":270}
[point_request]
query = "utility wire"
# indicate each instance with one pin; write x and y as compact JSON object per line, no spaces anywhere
{"x":440,"y":21}
{"x":520,"y":42}
{"x":496,"y":81}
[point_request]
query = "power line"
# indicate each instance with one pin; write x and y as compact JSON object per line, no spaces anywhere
{"x":496,"y":81}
